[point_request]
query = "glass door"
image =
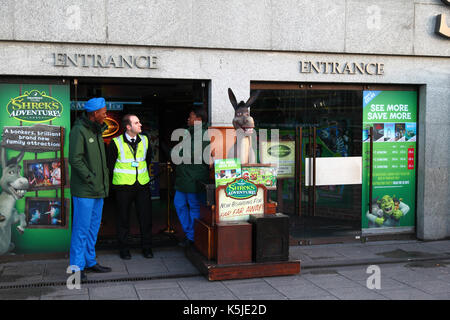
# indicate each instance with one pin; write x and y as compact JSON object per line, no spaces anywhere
{"x":322,"y":192}
{"x":331,"y":159}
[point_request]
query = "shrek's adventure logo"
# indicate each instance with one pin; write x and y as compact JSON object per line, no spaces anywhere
{"x":34,"y":106}
{"x":241,"y":189}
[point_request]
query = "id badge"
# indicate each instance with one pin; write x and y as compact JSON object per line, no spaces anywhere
{"x":135,"y":164}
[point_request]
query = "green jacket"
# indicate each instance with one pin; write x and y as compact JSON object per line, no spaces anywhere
{"x":187,"y":176}
{"x":87,"y":157}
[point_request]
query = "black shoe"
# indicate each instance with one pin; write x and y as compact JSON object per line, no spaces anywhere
{"x":186,"y":243}
{"x":125,"y":254}
{"x":83,"y":276}
{"x":147,"y":253}
{"x":98,"y":269}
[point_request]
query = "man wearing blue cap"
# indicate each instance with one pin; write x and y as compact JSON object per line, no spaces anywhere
{"x":89,"y":183}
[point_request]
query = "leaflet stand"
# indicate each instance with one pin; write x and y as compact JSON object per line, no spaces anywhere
{"x":231,"y":234}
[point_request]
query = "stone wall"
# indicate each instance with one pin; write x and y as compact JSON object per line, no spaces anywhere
{"x":403,"y":27}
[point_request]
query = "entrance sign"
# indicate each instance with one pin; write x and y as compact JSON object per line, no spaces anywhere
{"x":393,"y":116}
{"x":83,"y":60}
{"x":333,"y":67}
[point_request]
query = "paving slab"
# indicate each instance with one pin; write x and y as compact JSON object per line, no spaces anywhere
{"x":360,"y":293}
{"x":356,"y":273}
{"x":334,"y":281}
{"x":273,"y":296}
{"x":301,"y":291}
{"x":329,"y":297}
{"x":200,"y":284}
{"x":220,"y":294}
{"x":113,"y":292}
{"x":148,"y":266}
{"x":356,"y":252}
{"x":61,"y":291}
{"x":179,"y":265}
{"x":250,"y":290}
{"x":409,"y":277}
{"x":23,"y":273}
{"x":296,"y":280}
{"x":406,"y":294}
{"x":441,"y":296}
{"x":322,"y":254}
{"x":156,"y":284}
{"x":162,"y":294}
{"x":432,"y":287}
{"x":20,"y":294}
{"x":387,"y":283}
{"x":74,"y":297}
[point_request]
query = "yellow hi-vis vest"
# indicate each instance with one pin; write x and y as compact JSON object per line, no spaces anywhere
{"x":124,"y":173}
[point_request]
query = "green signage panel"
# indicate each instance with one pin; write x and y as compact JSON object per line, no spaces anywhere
{"x":35,"y":216}
{"x":393,"y":117}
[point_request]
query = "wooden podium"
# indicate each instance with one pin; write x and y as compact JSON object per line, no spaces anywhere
{"x":232,"y":226}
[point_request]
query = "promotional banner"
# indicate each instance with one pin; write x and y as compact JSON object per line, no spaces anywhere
{"x":239,"y":199}
{"x":226,"y":170}
{"x":282,"y":154}
{"x":393,"y":117}
{"x":261,"y":174}
{"x":35,"y":195}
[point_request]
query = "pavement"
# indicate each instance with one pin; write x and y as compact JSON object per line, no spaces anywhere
{"x":410,"y":269}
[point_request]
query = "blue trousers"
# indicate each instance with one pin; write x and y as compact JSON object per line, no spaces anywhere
{"x":188,"y":209}
{"x":87,"y":215}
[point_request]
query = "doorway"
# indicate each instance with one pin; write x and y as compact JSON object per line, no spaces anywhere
{"x":162,"y":106}
{"x":325,"y":125}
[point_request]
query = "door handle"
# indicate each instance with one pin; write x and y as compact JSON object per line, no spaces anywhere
{"x":370,"y":168}
{"x":299,"y":164}
{"x":314,"y":171}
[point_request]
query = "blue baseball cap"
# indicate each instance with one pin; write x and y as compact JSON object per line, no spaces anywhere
{"x":94,"y":104}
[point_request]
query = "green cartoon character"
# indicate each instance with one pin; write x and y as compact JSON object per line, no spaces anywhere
{"x":387,"y":212}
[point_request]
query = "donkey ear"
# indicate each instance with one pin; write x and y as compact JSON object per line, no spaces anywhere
{"x":20,"y":156}
{"x":232,"y":98}
{"x":252,"y":99}
{"x":3,"y":158}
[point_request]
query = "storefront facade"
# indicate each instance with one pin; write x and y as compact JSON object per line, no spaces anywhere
{"x":344,"y":47}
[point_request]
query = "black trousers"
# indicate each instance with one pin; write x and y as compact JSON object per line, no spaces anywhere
{"x":141,"y":196}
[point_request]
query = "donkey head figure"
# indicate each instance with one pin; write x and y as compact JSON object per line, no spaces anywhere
{"x":11,"y":181}
{"x":242,"y":119}
{"x":244,"y":125}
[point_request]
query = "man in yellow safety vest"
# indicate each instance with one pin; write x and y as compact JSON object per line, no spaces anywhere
{"x":129,"y":157}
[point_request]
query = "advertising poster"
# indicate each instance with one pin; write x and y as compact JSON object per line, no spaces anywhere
{"x":226,"y":170}
{"x":240,"y":199}
{"x":261,"y":174}
{"x":393,"y":116}
{"x":35,"y":216}
{"x":280,"y":153}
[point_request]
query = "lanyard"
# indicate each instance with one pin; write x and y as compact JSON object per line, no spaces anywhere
{"x":134,"y":152}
